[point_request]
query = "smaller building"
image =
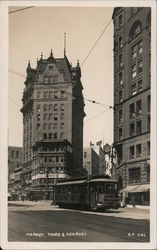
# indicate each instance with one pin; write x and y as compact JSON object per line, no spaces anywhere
{"x":14,"y":165}
{"x":91,"y":162}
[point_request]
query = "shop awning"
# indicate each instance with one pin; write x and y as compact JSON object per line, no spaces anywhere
{"x":142,"y":188}
{"x":136,"y":188}
{"x":129,"y":189}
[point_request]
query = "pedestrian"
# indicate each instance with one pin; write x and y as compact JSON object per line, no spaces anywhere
{"x":133,"y":201}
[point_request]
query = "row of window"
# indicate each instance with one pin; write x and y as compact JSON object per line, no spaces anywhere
{"x":50,"y":136}
{"x":50,"y":149}
{"x":50,"y":107}
{"x":49,"y":126}
{"x":135,"y":175}
{"x":138,"y":149}
{"x":50,"y":79}
{"x":50,"y":116}
{"x":135,"y":128}
{"x":51,"y":94}
{"x":135,"y":109}
{"x":14,"y":153}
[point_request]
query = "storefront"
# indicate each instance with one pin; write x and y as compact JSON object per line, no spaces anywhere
{"x":140,"y":194}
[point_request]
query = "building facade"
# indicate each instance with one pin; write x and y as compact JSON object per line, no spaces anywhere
{"x":132,"y":83}
{"x":14,"y":163}
{"x":53,"y":113}
{"x":91,"y":162}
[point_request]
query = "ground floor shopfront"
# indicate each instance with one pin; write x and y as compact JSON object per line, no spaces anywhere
{"x":136,"y":194}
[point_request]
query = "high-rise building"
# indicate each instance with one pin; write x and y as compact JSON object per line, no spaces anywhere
{"x":132,"y":53}
{"x":53,"y":113}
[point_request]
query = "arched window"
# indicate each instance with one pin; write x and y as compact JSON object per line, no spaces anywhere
{"x":135,"y":30}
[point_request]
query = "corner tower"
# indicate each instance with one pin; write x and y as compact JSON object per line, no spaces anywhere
{"x":53,"y":113}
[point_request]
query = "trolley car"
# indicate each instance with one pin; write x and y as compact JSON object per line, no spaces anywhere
{"x":97,"y":194}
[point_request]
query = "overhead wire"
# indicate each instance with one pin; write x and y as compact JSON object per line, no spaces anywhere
{"x":18,"y":10}
{"x":96,"y":42}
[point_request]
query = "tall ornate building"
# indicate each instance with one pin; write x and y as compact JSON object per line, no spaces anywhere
{"x":132,"y":53}
{"x":53,"y":113}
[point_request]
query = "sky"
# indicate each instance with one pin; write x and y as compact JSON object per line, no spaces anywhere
{"x":40,"y":29}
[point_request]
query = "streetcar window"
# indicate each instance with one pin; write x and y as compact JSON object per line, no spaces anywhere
{"x":101,"y":188}
{"x":110,"y":188}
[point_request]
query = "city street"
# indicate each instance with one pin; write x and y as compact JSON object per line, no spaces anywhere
{"x":30,"y":221}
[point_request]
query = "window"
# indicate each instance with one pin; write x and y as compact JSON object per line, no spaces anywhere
{"x":57,"y":158}
{"x":50,"y":107}
{"x":140,"y":48}
{"x":55,"y":94}
{"x":133,"y":89}
{"x":133,"y":71}
{"x":137,"y":30}
{"x":62,"y":135}
{"x":148,"y":123}
{"x":55,"y":107}
{"x":46,"y":80}
{"x":38,"y":126}
{"x":17,"y":154}
{"x":55,"y":79}
{"x":50,"y":135}
{"x":50,"y":117}
{"x":140,"y":65}
{"x":138,"y":108}
{"x":55,"y":135}
{"x":131,"y":152}
{"x":62,"y":116}
{"x":45,"y":126}
{"x":148,"y":148}
{"x":138,"y":150}
{"x":148,"y":103}
{"x":50,"y":79}
{"x":134,"y":175}
{"x":50,"y":95}
{"x":50,"y":125}
{"x":120,"y":78}
{"x":133,"y":52}
{"x":120,"y":115}
{"x":148,"y":173}
{"x":62,"y":126}
{"x":85,"y":154}
{"x":120,"y":42}
{"x":120,"y":21}
{"x":120,"y":134}
{"x":132,"y":129}
{"x":45,"y":158}
{"x":55,"y":117}
{"x":132,"y":111}
{"x":38,"y":108}
{"x":38,"y":117}
{"x":62,"y":93}
{"x":45,"y":107}
{"x":45,"y":95}
{"x":62,"y":106}
{"x":140,"y":85}
{"x":120,"y":61}
{"x":138,"y":127}
{"x":120,"y":96}
{"x":45,"y":116}
{"x":38,"y":95}
{"x":55,"y":126}
{"x":44,"y":136}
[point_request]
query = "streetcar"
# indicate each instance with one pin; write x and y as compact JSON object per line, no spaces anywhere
{"x":98,"y":193}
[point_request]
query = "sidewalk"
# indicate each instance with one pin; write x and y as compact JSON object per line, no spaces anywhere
{"x":47,"y":204}
{"x":138,"y":206}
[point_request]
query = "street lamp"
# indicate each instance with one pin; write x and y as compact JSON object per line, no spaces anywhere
{"x":110,"y":151}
